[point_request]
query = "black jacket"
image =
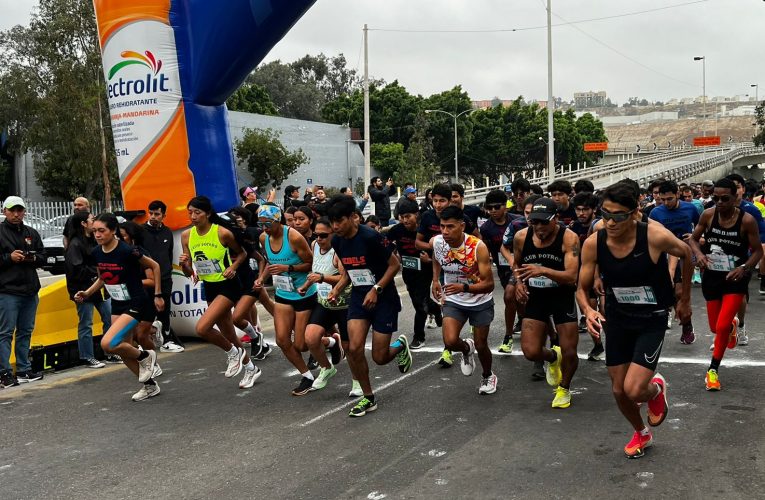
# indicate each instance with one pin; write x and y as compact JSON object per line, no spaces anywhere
{"x":159,"y":243}
{"x":81,"y":270}
{"x":381,"y":197}
{"x":20,"y":278}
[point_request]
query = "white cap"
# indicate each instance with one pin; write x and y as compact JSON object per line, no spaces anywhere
{"x":14,"y":201}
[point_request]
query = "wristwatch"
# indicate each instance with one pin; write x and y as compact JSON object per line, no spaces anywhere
{"x":378,"y":289}
{"x":465,"y":287}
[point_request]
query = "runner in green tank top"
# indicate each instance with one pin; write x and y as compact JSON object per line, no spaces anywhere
{"x":206,"y":245}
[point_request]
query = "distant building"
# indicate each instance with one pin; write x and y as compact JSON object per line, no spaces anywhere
{"x":491,"y":103}
{"x":589,"y":99}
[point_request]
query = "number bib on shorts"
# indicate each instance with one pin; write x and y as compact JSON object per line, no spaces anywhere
{"x":118,"y":292}
{"x":207,"y":267}
{"x":635,"y":295}
{"x":283,"y":283}
{"x":408,"y":262}
{"x":501,"y":260}
{"x":721,"y":262}
{"x":361,"y":277}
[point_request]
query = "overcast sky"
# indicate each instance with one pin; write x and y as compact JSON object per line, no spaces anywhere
{"x":730,"y":33}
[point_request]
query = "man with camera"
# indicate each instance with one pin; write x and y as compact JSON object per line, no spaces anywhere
{"x":21,"y":253}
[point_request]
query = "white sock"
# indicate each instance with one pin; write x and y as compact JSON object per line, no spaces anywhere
{"x":233,"y":350}
{"x":308,"y":375}
{"x":249,"y":366}
{"x":250,"y":330}
{"x":645,"y":431}
{"x":331,"y":342}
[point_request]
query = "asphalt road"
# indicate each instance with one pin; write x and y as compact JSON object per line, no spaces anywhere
{"x":77,"y":434}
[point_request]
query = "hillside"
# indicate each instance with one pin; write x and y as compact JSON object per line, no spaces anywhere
{"x":645,"y":134}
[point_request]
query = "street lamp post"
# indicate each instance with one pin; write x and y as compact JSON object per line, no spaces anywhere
{"x":756,"y":93}
{"x":703,"y":60}
{"x":454,"y":116}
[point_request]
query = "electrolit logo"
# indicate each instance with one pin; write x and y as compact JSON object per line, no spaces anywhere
{"x":153,"y":82}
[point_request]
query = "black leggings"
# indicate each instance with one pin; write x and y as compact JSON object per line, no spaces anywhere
{"x":418,"y":286}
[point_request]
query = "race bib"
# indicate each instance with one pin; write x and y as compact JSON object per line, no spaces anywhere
{"x":283,"y":283}
{"x":721,"y":262}
{"x":452,"y":277}
{"x":635,"y":295}
{"x":501,"y":260}
{"x":480,"y":222}
{"x":253,"y":264}
{"x":207,"y":267}
{"x":118,"y":292}
{"x":361,"y":277}
{"x":409,"y":262}
{"x":323,"y":290}
{"x":542,"y":282}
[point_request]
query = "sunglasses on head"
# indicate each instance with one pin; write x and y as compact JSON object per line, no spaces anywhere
{"x":724,"y":198}
{"x":539,"y":222}
{"x":494,"y":206}
{"x":322,"y":235}
{"x":616,"y":217}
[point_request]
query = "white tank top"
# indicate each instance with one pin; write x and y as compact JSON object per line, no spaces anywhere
{"x":324,"y":264}
{"x":460,"y":265}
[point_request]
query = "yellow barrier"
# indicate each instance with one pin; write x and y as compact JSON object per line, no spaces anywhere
{"x":56,"y":321}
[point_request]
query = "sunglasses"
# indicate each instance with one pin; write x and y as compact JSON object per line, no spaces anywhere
{"x":539,"y":222}
{"x":322,"y":235}
{"x":266,"y":224}
{"x":616,"y":217}
{"x":724,"y":198}
{"x":496,"y":206}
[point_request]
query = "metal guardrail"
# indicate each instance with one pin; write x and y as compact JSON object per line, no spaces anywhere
{"x":49,"y":217}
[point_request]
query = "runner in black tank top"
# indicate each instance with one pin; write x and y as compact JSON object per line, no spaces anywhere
{"x":546,"y":260}
{"x":728,"y":232}
{"x":632,"y":260}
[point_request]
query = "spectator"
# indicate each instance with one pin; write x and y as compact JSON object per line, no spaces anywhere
{"x":21,"y":253}
{"x":158,"y":241}
{"x":80,"y":204}
{"x":320,"y":205}
{"x":380,"y":194}
{"x":410,"y":195}
{"x":81,"y":272}
{"x":427,"y":202}
{"x":584,"y":186}
{"x":292,"y":197}
{"x":361,"y":203}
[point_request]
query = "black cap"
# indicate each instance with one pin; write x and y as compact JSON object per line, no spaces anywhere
{"x":290,"y":188}
{"x":543,"y":209}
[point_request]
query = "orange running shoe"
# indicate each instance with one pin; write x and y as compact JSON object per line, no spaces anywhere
{"x":658,"y":407}
{"x":637,"y":445}
{"x":733,"y":337}
{"x":712,"y":380}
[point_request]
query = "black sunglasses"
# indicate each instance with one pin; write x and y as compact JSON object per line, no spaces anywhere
{"x":493,"y":206}
{"x":724,"y":198}
{"x":322,"y":235}
{"x":616,"y":217}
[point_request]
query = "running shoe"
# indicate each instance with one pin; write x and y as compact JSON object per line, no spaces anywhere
{"x":8,"y":380}
{"x":431,"y":321}
{"x":637,"y":445}
{"x":488,"y":384}
{"x":171,"y":346}
{"x":696,"y":276}
{"x":264,"y":352}
{"x":688,"y":337}
{"x":446,"y":359}
{"x":506,"y":347}
{"x":92,"y":363}
{"x":583,"y":325}
{"x":518,"y":326}
{"x":762,"y":285}
{"x":658,"y":407}
{"x":146,"y":392}
{"x":669,"y":321}
{"x":596,"y":353}
{"x":363,"y":407}
{"x":312,"y":364}
{"x":356,"y":391}
{"x":28,"y":376}
{"x":416,"y":344}
{"x":146,"y":366}
{"x":468,"y":359}
{"x":235,"y":362}
{"x":245,"y":339}
{"x":303,"y":387}
{"x":112,"y":358}
{"x":250,"y":376}
{"x":256,"y":344}
{"x":743,"y":338}
{"x":712,"y":380}
{"x":157,"y":335}
{"x":552,"y":370}
{"x":336,"y":352}
{"x":404,"y":356}
{"x":157,"y":371}
{"x":539,"y":372}
{"x":324,"y":375}
{"x":733,"y":336}
{"x":562,"y":398}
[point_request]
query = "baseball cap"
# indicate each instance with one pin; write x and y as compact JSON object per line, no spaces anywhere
{"x":290,"y":188}
{"x":508,"y":188}
{"x":543,"y":209}
{"x":410,"y":190}
{"x":250,"y":190}
{"x":14,"y":201}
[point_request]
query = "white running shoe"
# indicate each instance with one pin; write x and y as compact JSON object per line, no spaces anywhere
{"x":146,"y":366}
{"x":235,"y":364}
{"x":488,"y":385}
{"x":468,"y":360}
{"x":743,"y":338}
{"x":157,"y":371}
{"x":431,"y":321}
{"x":145,"y":392}
{"x":157,"y":335}
{"x":356,"y":391}
{"x":171,"y":346}
{"x":250,"y":376}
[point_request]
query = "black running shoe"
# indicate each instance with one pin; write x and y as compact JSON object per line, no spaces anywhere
{"x":304,"y":387}
{"x":539,"y":371}
{"x":517,"y":327}
{"x":264,"y":352}
{"x":312,"y":363}
{"x":416,"y":344}
{"x":28,"y":376}
{"x":596,"y":354}
{"x":336,"y":352}
{"x":8,"y":380}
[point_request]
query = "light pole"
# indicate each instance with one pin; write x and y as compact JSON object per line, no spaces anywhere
{"x":454,"y":116}
{"x":547,"y":157}
{"x":703,"y":60}
{"x":756,"y":93}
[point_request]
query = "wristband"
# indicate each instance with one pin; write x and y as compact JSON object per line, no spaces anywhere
{"x":158,"y":296}
{"x":290,"y":268}
{"x":321,"y":277}
{"x":465,"y":287}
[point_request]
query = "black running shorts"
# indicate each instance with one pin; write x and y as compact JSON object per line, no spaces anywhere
{"x":634,"y":339}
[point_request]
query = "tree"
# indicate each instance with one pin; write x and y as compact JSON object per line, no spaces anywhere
{"x":419,"y":161}
{"x":53,"y":100}
{"x":251,"y":98}
{"x":388,"y":158}
{"x":759,"y":115}
{"x":266,"y":157}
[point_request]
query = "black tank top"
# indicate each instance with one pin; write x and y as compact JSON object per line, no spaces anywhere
{"x":550,"y":256}
{"x":729,"y":241}
{"x":634,"y":284}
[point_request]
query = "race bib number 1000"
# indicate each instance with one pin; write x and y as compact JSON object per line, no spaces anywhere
{"x":635,"y":295}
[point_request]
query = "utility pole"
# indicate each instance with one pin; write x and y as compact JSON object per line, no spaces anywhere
{"x":367,"y":161}
{"x":550,"y":102}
